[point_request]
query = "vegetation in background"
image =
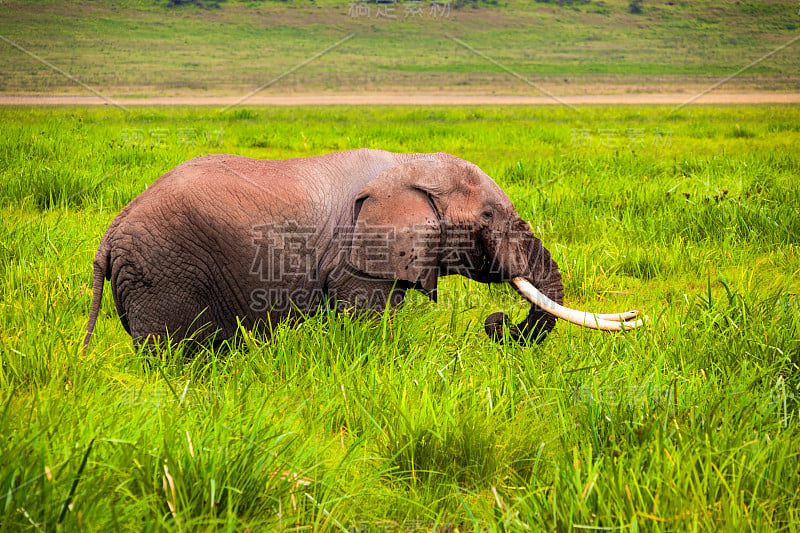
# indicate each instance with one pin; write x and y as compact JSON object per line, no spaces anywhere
{"x":418,"y":420}
{"x":142,"y":47}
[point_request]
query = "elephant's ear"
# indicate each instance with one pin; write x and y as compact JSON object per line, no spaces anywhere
{"x":397,"y":231}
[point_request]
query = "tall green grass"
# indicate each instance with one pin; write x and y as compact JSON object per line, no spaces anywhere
{"x":418,"y":420}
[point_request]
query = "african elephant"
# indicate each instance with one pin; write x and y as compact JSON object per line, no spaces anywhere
{"x":223,"y":240}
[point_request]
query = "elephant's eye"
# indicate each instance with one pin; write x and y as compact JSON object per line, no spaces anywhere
{"x":487,"y":215}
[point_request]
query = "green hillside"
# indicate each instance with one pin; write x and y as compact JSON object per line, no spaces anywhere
{"x":139,"y":48}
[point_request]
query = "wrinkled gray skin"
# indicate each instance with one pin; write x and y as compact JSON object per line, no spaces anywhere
{"x":223,"y":238}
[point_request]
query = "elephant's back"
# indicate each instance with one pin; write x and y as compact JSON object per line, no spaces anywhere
{"x":233,"y":175}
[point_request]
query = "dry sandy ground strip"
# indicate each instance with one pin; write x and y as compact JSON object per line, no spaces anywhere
{"x":409,"y":99}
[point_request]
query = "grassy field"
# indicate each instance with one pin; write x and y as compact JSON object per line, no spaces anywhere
{"x":420,"y":422}
{"x":142,"y":47}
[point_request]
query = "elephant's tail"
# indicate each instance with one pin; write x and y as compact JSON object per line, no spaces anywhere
{"x":100,"y":269}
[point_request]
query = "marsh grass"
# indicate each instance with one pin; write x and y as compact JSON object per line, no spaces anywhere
{"x":417,"y":420}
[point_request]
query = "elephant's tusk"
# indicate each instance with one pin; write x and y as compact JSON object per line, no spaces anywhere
{"x":607,"y":322}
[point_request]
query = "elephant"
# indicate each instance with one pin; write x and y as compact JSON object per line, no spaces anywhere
{"x":224,"y":241}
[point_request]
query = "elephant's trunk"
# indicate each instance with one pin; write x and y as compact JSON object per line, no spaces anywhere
{"x":543,"y":273}
{"x":543,"y":288}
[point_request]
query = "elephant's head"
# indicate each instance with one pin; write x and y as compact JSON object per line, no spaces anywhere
{"x":439,"y":215}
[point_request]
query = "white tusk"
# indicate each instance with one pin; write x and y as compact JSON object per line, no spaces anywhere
{"x":581,"y":318}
